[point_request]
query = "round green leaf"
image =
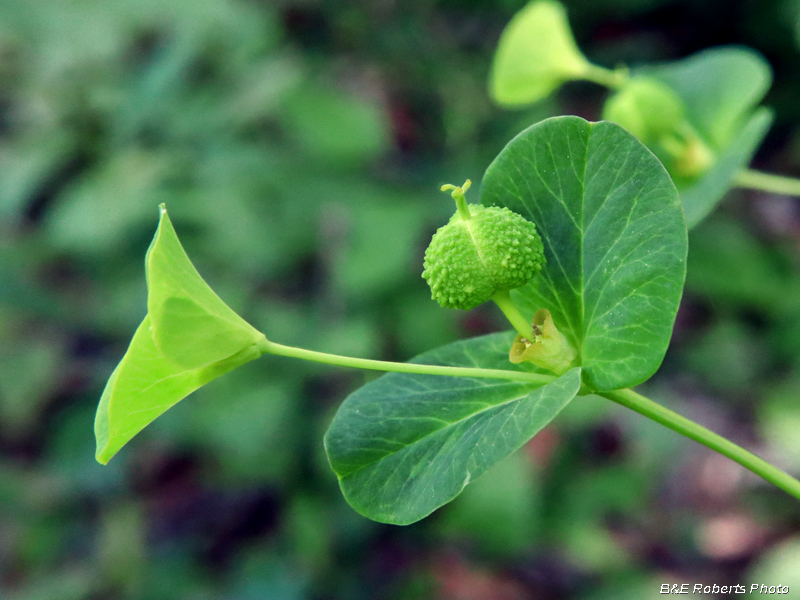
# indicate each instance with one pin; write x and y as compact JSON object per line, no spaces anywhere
{"x":404,"y":445}
{"x":615,"y":242}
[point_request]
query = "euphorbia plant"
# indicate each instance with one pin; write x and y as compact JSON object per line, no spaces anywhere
{"x":581,"y":240}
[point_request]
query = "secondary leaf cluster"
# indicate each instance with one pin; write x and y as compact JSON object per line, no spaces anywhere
{"x":705,"y":125}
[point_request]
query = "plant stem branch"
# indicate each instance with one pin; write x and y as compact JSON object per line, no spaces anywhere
{"x":767,"y":182}
{"x":510,"y":310}
{"x":698,"y":433}
{"x":268,"y":347}
{"x":606,"y":77}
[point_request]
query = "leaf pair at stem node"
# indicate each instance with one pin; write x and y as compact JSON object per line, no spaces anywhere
{"x":614,"y":237}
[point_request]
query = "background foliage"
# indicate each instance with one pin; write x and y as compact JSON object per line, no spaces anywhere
{"x":299,"y":147}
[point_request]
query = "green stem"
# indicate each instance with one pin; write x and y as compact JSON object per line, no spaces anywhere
{"x":698,"y":433}
{"x":268,"y":347}
{"x":510,"y":310}
{"x":767,"y":182}
{"x":461,"y":205}
{"x":606,"y":77}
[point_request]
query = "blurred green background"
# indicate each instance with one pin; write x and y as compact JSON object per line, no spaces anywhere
{"x":299,"y":146}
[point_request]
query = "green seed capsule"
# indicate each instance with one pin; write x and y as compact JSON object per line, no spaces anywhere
{"x":647,"y":108}
{"x":481,"y":251}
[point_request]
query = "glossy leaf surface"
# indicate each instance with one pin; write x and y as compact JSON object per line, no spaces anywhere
{"x":188,"y":338}
{"x":615,"y":242}
{"x":404,"y":445}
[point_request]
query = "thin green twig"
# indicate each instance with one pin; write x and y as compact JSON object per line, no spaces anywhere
{"x":606,"y":77}
{"x":510,"y":310}
{"x":767,"y":182}
{"x":698,"y":433}
{"x":268,"y":347}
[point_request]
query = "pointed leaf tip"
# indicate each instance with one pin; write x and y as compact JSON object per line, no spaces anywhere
{"x":192,"y":326}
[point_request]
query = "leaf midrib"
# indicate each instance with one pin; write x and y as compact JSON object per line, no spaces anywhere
{"x":443,"y":428}
{"x":582,"y":296}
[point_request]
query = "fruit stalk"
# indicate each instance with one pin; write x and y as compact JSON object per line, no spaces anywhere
{"x":510,"y":310}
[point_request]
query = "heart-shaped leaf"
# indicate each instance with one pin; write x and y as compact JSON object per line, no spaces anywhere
{"x":404,"y":445}
{"x":188,"y":338}
{"x":614,"y":236}
{"x":535,"y":55}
